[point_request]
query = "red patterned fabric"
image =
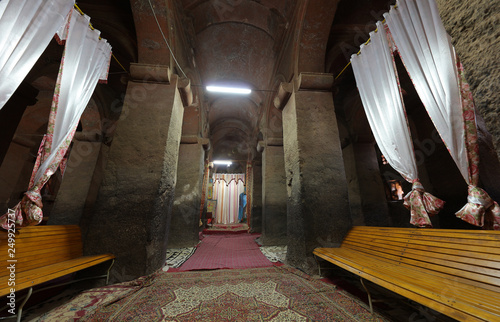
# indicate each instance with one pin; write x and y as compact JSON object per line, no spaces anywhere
{"x":422,"y":205}
{"x":226,"y":251}
{"x":259,"y":294}
{"x":479,"y":205}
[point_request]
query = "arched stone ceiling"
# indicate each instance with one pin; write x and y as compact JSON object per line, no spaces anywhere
{"x":245,"y":42}
{"x":236,"y":44}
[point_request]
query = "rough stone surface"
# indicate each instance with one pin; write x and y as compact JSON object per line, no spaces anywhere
{"x":14,"y":175}
{"x":184,"y":226}
{"x":367,"y":199}
{"x":256,"y":202}
{"x":70,"y":202}
{"x":371,"y":188}
{"x":489,"y":166}
{"x":11,"y":114}
{"x":353,"y":186}
{"x":437,"y":170}
{"x":274,"y":196}
{"x":134,"y":205}
{"x":475,"y":30}
{"x":317,"y":205}
{"x":97,"y":178}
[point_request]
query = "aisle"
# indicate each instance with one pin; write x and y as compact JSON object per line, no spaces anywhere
{"x":226,"y":251}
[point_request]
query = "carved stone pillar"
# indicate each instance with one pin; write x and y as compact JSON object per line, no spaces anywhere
{"x":274,"y":196}
{"x":318,"y":206}
{"x":134,"y":206}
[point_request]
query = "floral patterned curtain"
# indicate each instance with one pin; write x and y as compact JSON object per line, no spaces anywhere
{"x":85,"y":60}
{"x":378,"y":85}
{"x":480,"y":208}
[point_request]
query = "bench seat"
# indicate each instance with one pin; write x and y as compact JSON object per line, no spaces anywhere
{"x":41,"y":254}
{"x":455,"y":272}
{"x":47,"y":273}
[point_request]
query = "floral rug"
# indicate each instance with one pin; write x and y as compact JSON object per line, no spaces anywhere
{"x":274,"y":253}
{"x":258,"y":294}
{"x":224,"y":229}
{"x":177,"y":256}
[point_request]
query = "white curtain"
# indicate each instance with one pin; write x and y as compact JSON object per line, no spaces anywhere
{"x":376,"y":78}
{"x":378,"y":87}
{"x":227,"y":190}
{"x":26,"y":28}
{"x":431,"y":61}
{"x":86,"y":60}
{"x":429,"y":57}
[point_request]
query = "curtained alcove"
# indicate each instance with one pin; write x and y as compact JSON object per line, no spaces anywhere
{"x":227,"y":190}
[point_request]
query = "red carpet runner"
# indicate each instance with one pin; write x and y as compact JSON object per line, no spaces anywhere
{"x":226,"y":251}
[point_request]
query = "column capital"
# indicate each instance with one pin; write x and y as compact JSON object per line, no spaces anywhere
{"x":148,"y":73}
{"x":194,"y":139}
{"x":184,"y":86}
{"x":261,"y":145}
{"x":314,"y":82}
{"x":274,"y":142}
{"x":284,"y":92}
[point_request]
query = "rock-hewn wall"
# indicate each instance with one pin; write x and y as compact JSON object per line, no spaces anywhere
{"x":475,"y":29}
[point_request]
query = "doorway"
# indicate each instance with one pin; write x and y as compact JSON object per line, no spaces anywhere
{"x":228,"y":188}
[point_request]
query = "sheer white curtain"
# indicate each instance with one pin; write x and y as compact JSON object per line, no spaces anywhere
{"x":85,"y":60}
{"x":430,"y":59}
{"x":376,"y":78}
{"x":379,"y":91}
{"x":26,"y":26}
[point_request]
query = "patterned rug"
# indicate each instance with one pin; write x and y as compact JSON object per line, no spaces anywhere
{"x":258,"y":294}
{"x":274,"y":253}
{"x":217,"y":229}
{"x":177,"y":256}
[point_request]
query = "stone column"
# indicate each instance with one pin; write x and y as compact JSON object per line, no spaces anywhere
{"x":256,"y":202}
{"x":184,"y":226}
{"x":133,"y":209}
{"x":274,"y":195}
{"x":12,"y":112}
{"x":15,"y":173}
{"x":353,"y":186}
{"x":318,"y":207}
{"x":71,"y":198}
{"x":371,"y":188}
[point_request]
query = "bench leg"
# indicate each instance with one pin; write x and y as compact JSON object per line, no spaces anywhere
{"x":369,"y":296}
{"x":109,"y":269}
{"x":20,"y":309}
{"x":319,"y":265}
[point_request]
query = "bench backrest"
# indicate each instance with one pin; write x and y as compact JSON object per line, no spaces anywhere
{"x":469,"y":256}
{"x":39,"y":246}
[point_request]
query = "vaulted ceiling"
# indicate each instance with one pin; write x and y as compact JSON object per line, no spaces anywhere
{"x":240,"y":43}
{"x":237,"y":44}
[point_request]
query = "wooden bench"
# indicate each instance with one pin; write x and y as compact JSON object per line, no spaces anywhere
{"x":39,"y":254}
{"x":455,"y":272}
